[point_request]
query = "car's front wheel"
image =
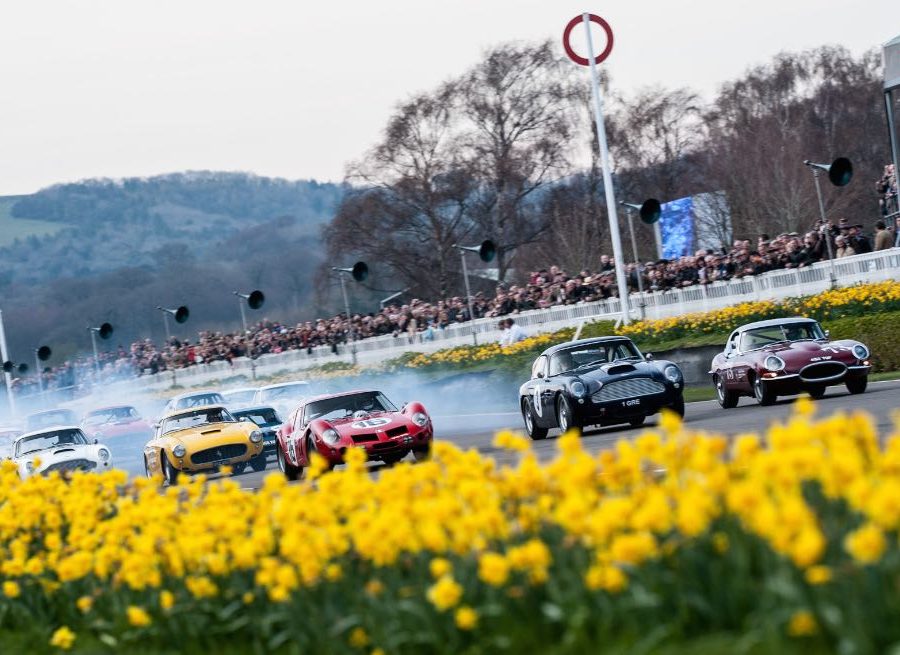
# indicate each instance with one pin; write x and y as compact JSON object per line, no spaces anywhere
{"x":678,"y":406}
{"x":147,"y":470}
{"x":422,"y":454}
{"x":564,"y":417}
{"x":290,"y":471}
{"x":762,"y":393}
{"x":727,"y":399}
{"x":637,"y":421}
{"x":531,"y":426}
{"x":259,"y":462}
{"x":239,"y":468}
{"x":816,"y":391}
{"x":857,"y":385}
{"x":170,"y":474}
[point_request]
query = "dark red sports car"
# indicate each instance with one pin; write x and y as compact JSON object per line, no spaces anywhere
{"x":785,"y":357}
{"x":330,"y":424}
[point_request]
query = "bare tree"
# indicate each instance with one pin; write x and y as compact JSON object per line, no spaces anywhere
{"x":517,"y":106}
{"x":412,"y":200}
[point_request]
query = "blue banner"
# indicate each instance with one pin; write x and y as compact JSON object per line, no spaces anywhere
{"x":676,"y":224}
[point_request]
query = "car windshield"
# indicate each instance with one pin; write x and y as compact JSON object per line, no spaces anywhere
{"x":44,"y":440}
{"x":111,"y":415}
{"x":47,"y":419}
{"x":286,"y":392}
{"x":264,"y":417}
{"x":766,"y":336}
{"x":196,"y":418}
{"x":200,"y":400}
{"x":347,"y":406}
{"x":245,"y":396}
{"x":592,"y":354}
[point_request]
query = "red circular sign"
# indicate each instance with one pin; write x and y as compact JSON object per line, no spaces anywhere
{"x":578,"y":59}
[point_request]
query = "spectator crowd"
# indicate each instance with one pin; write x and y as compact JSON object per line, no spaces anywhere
{"x":541,"y":289}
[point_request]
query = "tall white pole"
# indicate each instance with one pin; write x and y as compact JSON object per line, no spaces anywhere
{"x":607,"y":175}
{"x":4,"y":357}
{"x":462,"y":256}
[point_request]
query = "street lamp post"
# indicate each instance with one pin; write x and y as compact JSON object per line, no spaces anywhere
{"x":255,"y":300}
{"x":359,"y":272}
{"x":649,"y":212}
{"x":840,"y":172}
{"x":41,"y":354}
{"x":486,"y":252}
{"x":181,"y":314}
{"x":105,"y":331}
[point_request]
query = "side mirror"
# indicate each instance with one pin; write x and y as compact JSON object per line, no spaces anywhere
{"x":648,"y":357}
{"x":155,"y":426}
{"x":540,"y":374}
{"x":827,"y":334}
{"x":96,"y":441}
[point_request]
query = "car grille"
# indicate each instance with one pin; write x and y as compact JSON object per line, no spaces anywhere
{"x":822,"y":371}
{"x":72,"y":465}
{"x":383,"y":446}
{"x":631,"y":388}
{"x":363,"y":438}
{"x":219,"y":453}
{"x":397,"y":432}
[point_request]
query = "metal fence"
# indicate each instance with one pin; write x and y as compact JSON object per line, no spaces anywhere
{"x":871,"y":267}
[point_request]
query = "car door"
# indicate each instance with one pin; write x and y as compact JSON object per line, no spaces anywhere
{"x":729,"y":359}
{"x":538,"y":388}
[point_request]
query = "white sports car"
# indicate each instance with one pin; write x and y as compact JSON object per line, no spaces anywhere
{"x":62,"y":448}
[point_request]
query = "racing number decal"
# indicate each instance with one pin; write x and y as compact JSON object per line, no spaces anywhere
{"x":536,"y":401}
{"x":370,"y":423}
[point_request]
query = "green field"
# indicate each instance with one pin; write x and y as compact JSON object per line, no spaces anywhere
{"x":21,"y":228}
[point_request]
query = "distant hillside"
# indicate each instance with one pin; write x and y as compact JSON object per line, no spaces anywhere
{"x":80,"y":254}
{"x":96,"y":226}
{"x":21,"y":228}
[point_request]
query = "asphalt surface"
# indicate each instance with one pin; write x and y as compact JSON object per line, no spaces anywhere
{"x":477,"y":430}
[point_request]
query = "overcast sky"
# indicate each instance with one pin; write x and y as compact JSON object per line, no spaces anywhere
{"x":297,"y":88}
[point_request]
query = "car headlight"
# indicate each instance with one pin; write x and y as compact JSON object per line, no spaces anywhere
{"x":578,"y":388}
{"x":256,"y":436}
{"x":420,"y":419}
{"x":860,"y":351}
{"x":103,"y":454}
{"x":774,"y":363}
{"x":331,"y":437}
{"x":672,"y":373}
{"x":179,"y":450}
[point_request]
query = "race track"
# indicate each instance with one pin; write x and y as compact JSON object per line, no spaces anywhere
{"x":477,"y":430}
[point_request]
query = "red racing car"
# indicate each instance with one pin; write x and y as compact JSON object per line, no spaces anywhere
{"x":330,"y":424}
{"x":785,"y":357}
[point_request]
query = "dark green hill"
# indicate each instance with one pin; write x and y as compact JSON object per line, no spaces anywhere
{"x":96,"y":226}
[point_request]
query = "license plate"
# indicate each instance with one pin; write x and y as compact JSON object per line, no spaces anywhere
{"x":631,"y":403}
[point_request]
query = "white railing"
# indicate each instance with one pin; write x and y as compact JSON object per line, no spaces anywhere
{"x":872,"y":267}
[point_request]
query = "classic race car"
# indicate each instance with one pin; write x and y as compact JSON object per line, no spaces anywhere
{"x":330,"y":424}
{"x":193,"y":399}
{"x":121,"y":427}
{"x":284,"y":396}
{"x":203,"y":439}
{"x":64,"y":448}
{"x":50,"y":418}
{"x":267,"y":420}
{"x":602,"y":381}
{"x":783,"y":357}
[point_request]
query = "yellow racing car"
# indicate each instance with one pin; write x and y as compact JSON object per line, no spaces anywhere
{"x":203,"y":439}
